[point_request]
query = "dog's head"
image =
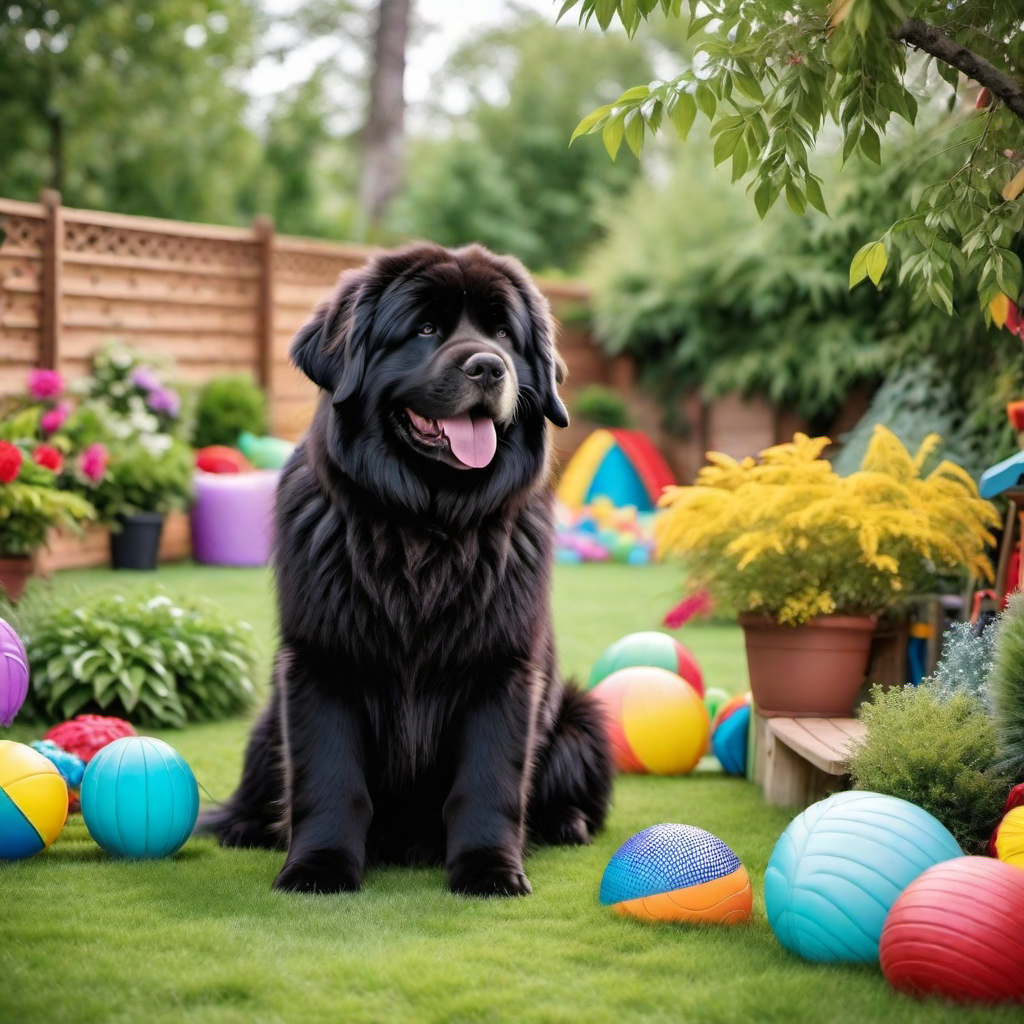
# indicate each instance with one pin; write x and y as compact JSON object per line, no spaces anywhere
{"x":439,"y":370}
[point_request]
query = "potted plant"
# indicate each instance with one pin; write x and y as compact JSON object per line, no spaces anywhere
{"x":810,"y":559}
{"x":150,"y":465}
{"x":30,"y":504}
{"x":146,"y":478}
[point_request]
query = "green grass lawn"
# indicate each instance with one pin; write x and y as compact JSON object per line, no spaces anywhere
{"x":201,"y":937}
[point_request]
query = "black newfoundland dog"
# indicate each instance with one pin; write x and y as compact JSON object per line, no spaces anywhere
{"x":417,"y":713}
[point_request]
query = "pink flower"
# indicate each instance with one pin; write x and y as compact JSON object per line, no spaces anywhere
{"x":92,"y":463}
{"x":53,"y":419}
{"x":45,"y":384}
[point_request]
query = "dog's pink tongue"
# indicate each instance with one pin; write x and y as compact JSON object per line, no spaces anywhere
{"x":473,"y":441}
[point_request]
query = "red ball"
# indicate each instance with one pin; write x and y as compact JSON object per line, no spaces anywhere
{"x":84,"y":735}
{"x":956,"y":932}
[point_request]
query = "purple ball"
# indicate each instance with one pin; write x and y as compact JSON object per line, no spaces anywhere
{"x":13,"y":673}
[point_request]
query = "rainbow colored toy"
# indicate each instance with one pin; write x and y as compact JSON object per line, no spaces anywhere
{"x":622,"y":465}
{"x":677,"y":873}
{"x":33,"y":801}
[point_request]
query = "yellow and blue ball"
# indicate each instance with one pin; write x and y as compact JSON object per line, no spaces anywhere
{"x":33,"y":801}
{"x":677,"y":873}
{"x":140,"y":799}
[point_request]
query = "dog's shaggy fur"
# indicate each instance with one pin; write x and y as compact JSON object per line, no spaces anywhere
{"x":417,"y":713}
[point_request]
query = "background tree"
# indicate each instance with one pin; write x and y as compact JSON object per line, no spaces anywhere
{"x":710,"y":298}
{"x":770,"y":74}
{"x":495,"y":167}
{"x":127,"y":106}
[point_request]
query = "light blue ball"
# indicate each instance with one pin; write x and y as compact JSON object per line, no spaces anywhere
{"x":838,"y":868}
{"x":139,"y":798}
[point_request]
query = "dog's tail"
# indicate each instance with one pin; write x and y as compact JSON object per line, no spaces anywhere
{"x":572,"y":781}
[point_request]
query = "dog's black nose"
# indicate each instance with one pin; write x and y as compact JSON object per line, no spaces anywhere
{"x":484,"y":368}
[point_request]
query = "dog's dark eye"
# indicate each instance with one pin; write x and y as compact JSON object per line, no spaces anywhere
{"x":501,"y":332}
{"x":428,"y":329}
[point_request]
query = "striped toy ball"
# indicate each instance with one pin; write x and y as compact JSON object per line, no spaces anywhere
{"x":729,"y":730}
{"x":677,"y":873}
{"x":648,"y":648}
{"x":956,"y":931}
{"x":839,"y":867}
{"x":139,"y":798}
{"x":33,"y":801}
{"x":656,"y":722}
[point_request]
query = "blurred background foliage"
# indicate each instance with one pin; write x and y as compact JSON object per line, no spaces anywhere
{"x":151,"y":109}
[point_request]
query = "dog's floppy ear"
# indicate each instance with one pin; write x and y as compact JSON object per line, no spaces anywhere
{"x":327,"y":349}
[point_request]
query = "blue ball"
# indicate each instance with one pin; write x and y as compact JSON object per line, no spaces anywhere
{"x":729,"y":741}
{"x":838,"y":868}
{"x":139,"y":798}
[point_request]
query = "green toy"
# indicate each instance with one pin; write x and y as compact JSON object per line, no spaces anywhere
{"x":265,"y":452}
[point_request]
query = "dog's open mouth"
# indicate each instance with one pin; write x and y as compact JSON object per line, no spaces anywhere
{"x":472,"y":440}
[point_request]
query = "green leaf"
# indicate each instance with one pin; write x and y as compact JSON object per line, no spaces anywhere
{"x":870,"y":145}
{"x":875,"y":262}
{"x":683,"y":113}
{"x":634,"y":132}
{"x":859,"y":264}
{"x":748,"y":87}
{"x":814,"y":196}
{"x":796,"y":199}
{"x":763,"y":198}
{"x":740,"y":160}
{"x":637,"y":92}
{"x":612,"y":135}
{"x":725,"y":145}
{"x":590,"y":123}
{"x":706,"y":99}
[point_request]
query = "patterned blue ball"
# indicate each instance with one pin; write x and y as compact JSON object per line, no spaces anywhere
{"x":838,"y":868}
{"x":729,"y":741}
{"x":139,"y":798}
{"x":663,"y":858}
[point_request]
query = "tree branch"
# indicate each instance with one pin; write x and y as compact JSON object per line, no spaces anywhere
{"x":923,"y":36}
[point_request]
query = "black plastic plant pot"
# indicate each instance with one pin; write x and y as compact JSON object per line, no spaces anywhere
{"x":137,"y":544}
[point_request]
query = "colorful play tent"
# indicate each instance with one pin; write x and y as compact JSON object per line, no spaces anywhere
{"x":622,"y":465}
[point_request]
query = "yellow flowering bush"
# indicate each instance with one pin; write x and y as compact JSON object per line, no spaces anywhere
{"x":785,"y":536}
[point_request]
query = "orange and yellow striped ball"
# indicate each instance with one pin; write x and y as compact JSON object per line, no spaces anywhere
{"x":1009,"y":838}
{"x":33,"y":801}
{"x":677,"y":873}
{"x":656,"y":721}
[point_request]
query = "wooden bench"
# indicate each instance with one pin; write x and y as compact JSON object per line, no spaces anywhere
{"x":800,"y":760}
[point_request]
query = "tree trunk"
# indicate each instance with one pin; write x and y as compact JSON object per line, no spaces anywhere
{"x":383,"y":133}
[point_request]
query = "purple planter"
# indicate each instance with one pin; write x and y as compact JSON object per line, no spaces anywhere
{"x":13,"y":673}
{"x":232,"y":518}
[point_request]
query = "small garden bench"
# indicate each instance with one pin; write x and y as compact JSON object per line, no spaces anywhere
{"x":800,"y":760}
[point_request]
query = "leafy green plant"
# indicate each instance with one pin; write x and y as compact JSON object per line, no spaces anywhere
{"x":939,"y":754}
{"x":601,"y":406}
{"x":149,"y":473}
{"x":155,"y":661}
{"x":1006,"y":684}
{"x":226,"y":407}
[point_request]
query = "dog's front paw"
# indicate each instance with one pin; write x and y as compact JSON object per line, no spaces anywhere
{"x":488,"y":872}
{"x":320,"y":871}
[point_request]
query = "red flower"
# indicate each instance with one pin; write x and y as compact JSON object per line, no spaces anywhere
{"x":10,"y":462}
{"x":49,"y":457}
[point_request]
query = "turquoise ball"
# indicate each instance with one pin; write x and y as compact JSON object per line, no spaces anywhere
{"x":839,"y":867}
{"x":139,"y":798}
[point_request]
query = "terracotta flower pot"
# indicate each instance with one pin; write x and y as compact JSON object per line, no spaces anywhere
{"x":14,"y":574}
{"x":810,"y":671}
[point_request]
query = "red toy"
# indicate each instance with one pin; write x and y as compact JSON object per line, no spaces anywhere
{"x":219,"y":458}
{"x":955,"y":931}
{"x":85,"y":734}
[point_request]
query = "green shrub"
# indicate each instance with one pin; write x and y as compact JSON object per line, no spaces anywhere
{"x":601,"y":406}
{"x":1006,"y":686}
{"x":966,"y":662}
{"x":226,"y":407}
{"x":938,"y":754}
{"x":156,"y":661}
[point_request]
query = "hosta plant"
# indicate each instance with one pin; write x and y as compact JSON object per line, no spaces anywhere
{"x":155,"y":660}
{"x":785,"y":536}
